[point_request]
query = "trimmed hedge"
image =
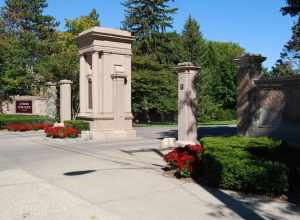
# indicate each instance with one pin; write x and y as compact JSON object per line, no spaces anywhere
{"x":80,"y":125}
{"x":23,"y":119}
{"x":240,"y":163}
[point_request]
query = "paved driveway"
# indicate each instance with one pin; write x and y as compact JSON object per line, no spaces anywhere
{"x":74,"y":180}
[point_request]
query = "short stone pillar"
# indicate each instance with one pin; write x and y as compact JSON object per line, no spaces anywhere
{"x":105,"y":82}
{"x":52,"y":99}
{"x":249,"y":69}
{"x":187,"y":103}
{"x":65,"y":100}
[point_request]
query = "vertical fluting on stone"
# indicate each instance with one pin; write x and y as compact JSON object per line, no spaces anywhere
{"x":65,"y":100}
{"x":249,"y":69}
{"x":187,"y":103}
{"x":52,"y":100}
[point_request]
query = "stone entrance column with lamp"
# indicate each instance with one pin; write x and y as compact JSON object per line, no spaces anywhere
{"x":105,"y":82}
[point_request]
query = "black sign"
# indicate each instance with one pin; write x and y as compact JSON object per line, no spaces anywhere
{"x":24,"y":107}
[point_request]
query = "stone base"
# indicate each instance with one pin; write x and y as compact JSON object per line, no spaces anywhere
{"x":184,"y":143}
{"x":114,"y":134}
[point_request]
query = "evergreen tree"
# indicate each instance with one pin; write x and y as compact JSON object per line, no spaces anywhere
{"x":29,"y":37}
{"x":22,"y":16}
{"x":146,"y":19}
{"x":142,"y":17}
{"x":193,"y":42}
{"x":289,"y":62}
{"x":292,"y":8}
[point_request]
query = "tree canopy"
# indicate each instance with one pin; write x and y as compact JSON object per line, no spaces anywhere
{"x":33,"y":51}
{"x":289,"y":62}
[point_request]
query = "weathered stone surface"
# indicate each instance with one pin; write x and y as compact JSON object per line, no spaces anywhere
{"x":65,"y":100}
{"x":52,"y":100}
{"x":39,"y":105}
{"x":266,"y":106}
{"x":187,"y":103}
{"x":105,"y":82}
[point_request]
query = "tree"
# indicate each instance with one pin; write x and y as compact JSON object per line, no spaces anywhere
{"x":292,"y":8}
{"x":289,"y":62}
{"x":282,"y":69}
{"x":147,"y":16}
{"x":29,"y":37}
{"x":146,"y":19}
{"x":154,"y":90}
{"x":63,"y":63}
{"x":77,"y":25}
{"x":193,"y":42}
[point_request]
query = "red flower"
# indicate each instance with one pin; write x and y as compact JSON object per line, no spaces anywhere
{"x":61,"y":132}
{"x":26,"y":127}
{"x":197,"y":148}
{"x":184,"y":159}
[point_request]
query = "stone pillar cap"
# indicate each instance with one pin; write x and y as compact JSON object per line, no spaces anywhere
{"x":249,"y":58}
{"x":186,"y":66}
{"x":110,"y":34}
{"x":65,"y":81}
{"x":50,"y":84}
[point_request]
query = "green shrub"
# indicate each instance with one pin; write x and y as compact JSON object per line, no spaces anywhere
{"x":240,"y":163}
{"x":23,"y":119}
{"x":78,"y":124}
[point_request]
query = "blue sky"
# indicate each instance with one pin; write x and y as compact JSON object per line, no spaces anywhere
{"x":257,"y":25}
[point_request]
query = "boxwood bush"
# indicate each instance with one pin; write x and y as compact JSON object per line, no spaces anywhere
{"x":242,"y":164}
{"x":23,"y":119}
{"x":80,"y":125}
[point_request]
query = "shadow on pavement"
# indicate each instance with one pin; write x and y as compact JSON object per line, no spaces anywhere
{"x":204,"y":131}
{"x":233,"y":204}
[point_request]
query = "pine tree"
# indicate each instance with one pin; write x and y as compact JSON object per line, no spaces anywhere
{"x":292,"y":8}
{"x":27,"y":16}
{"x":142,"y":17}
{"x":194,"y":43}
{"x":29,"y":36}
{"x":289,"y":60}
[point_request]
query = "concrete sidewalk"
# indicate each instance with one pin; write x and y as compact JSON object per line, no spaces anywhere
{"x":41,"y":179}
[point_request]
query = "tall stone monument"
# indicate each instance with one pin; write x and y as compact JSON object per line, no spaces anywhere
{"x":105,"y":82}
{"x":187,"y":103}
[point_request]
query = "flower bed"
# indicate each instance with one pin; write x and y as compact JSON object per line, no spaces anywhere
{"x":183,"y":160}
{"x":61,"y":132}
{"x":27,"y":127}
{"x":24,"y":121}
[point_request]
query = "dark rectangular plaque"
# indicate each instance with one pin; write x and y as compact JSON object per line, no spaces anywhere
{"x":24,"y":107}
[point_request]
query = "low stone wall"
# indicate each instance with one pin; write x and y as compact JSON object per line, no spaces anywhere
{"x":267,"y":107}
{"x":26,"y":105}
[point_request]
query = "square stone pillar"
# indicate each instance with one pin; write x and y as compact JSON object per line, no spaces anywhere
{"x":65,"y":100}
{"x":187,"y":103}
{"x":52,"y":99}
{"x":105,"y":82}
{"x":249,"y":68}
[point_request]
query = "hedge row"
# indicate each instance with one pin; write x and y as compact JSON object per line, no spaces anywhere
{"x":240,"y":163}
{"x":78,"y":124}
{"x":22,"y":119}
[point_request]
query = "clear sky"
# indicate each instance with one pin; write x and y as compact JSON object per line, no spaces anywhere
{"x":257,"y":25}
